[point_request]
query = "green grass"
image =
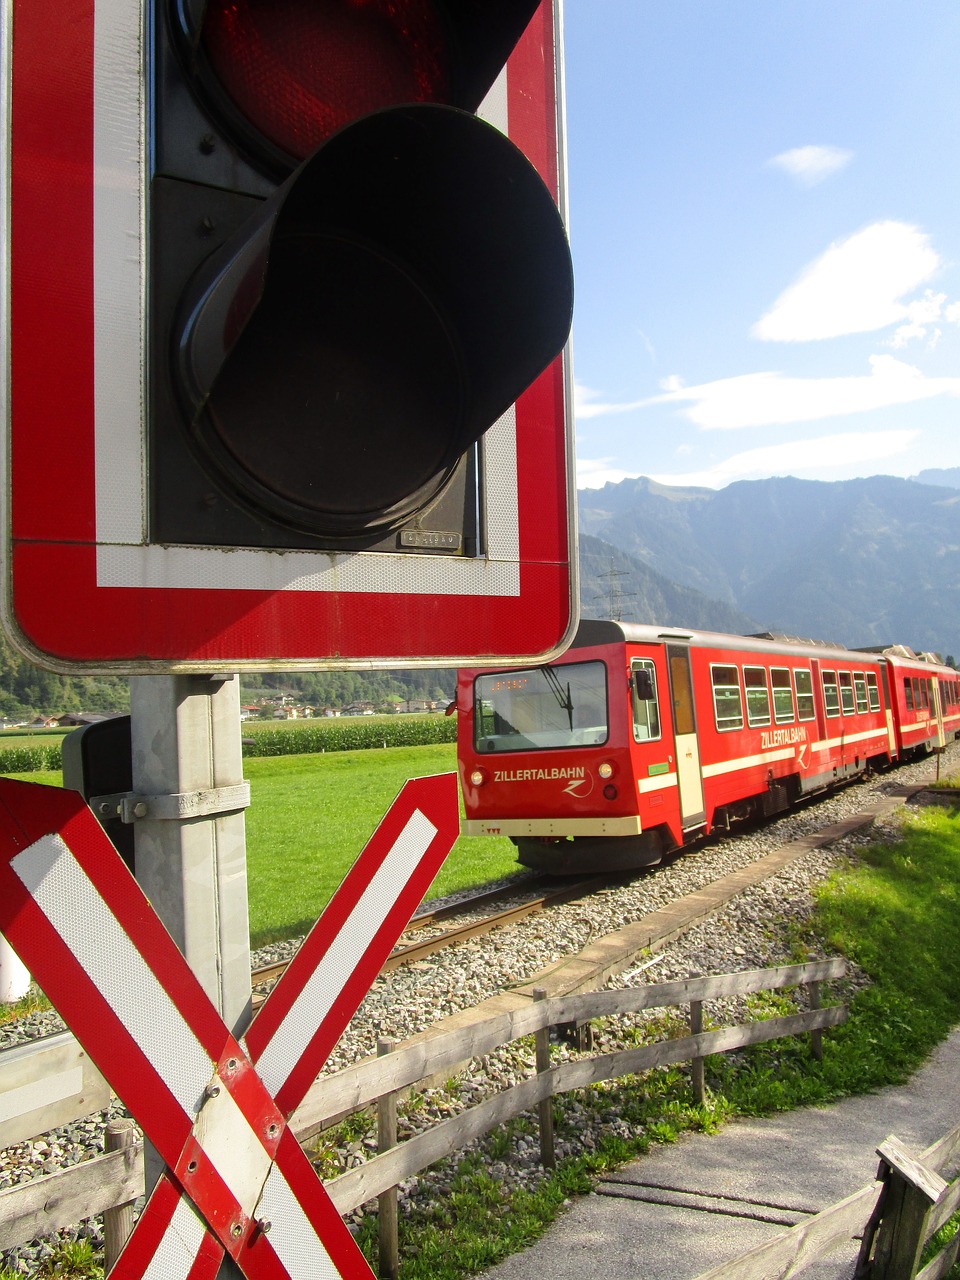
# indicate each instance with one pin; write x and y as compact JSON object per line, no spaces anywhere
{"x":311,"y":815}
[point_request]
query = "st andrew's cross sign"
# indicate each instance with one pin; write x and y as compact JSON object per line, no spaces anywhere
{"x":216,"y":1109}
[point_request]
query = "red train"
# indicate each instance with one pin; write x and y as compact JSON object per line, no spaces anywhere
{"x":639,"y":738}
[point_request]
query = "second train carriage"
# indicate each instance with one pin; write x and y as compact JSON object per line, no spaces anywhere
{"x":640,"y":738}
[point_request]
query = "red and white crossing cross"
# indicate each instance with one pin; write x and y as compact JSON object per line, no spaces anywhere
{"x":216,"y":1109}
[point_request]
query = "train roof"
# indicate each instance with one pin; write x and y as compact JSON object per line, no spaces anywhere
{"x":594,"y":631}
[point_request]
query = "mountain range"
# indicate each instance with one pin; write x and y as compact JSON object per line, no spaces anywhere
{"x":863,"y":562}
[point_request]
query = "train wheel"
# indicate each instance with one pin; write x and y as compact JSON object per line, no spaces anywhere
{"x":581,"y":855}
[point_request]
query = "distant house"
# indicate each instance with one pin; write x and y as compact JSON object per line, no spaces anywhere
{"x":75,"y":719}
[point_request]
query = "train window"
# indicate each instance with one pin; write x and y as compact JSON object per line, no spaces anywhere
{"x":727,"y":704}
{"x":908,"y":692}
{"x":804,"y":683}
{"x":543,"y":707}
{"x":846,"y":692}
{"x":646,"y":711}
{"x":873,"y":691}
{"x":860,"y":689}
{"x":782,"y":694}
{"x":925,"y":694}
{"x":831,"y":695}
{"x":758,"y":697}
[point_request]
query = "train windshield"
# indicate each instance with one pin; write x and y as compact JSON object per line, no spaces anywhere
{"x":564,"y":706}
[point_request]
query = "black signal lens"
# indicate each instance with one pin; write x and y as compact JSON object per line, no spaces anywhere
{"x":298,"y":70}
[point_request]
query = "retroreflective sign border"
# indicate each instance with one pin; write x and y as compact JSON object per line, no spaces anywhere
{"x":236,"y":1181}
{"x":85,"y":588}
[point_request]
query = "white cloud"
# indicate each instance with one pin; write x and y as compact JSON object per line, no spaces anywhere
{"x":856,"y":286}
{"x":763,"y":399}
{"x":810,"y":165}
{"x":766,"y":399}
{"x":922,"y":315}
{"x":825,"y":457}
{"x":583,"y":401}
{"x":822,"y":457}
{"x":594,"y":473}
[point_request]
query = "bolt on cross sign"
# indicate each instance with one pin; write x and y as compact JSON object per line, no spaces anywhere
{"x":216,"y":1109}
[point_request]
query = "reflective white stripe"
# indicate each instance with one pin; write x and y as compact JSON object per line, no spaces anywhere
{"x":334,"y":970}
{"x":747,"y":762}
{"x":64,"y":893}
{"x":845,"y":739}
{"x":629,"y":826}
{"x":178,"y":1248}
{"x":292,"y":1235}
{"x":657,"y":783}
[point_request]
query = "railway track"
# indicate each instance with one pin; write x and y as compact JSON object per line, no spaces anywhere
{"x":544,"y":893}
{"x":410,"y":951}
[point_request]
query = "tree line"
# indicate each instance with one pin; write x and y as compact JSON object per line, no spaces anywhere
{"x":27,"y":691}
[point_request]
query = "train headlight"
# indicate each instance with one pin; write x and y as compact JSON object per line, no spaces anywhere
{"x":478,"y":777}
{"x":606,"y":770}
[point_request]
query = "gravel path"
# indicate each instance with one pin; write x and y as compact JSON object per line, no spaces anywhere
{"x":756,"y":929}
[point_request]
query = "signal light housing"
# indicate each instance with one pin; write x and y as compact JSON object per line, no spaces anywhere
{"x":286,"y":314}
{"x":330,"y":348}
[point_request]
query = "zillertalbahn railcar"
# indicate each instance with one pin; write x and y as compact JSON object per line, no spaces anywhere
{"x":640,"y":739}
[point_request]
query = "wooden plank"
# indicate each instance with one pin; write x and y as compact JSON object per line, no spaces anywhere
{"x":788,"y":1253}
{"x":47,"y":1083}
{"x":578,"y":1075}
{"x":944,"y":1209}
{"x":944,"y":1260}
{"x":913,"y":1170}
{"x":368,"y":1180}
{"x":63,"y":1198}
{"x":945,"y":1152}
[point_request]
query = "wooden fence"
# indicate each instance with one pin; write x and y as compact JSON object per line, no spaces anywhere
{"x":114,"y":1180}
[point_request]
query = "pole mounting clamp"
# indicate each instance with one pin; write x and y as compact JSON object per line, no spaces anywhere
{"x":182,"y":805}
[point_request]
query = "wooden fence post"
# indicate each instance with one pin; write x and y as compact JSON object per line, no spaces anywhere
{"x":910,"y":1192}
{"x":816,"y":1037}
{"x":545,"y":1107}
{"x":696,"y":1064}
{"x":387,"y":1202}
{"x":118,"y":1221}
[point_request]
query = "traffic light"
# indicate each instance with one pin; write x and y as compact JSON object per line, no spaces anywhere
{"x":352,"y":275}
{"x":284,"y":380}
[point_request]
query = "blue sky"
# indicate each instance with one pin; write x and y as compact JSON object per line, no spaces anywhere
{"x":765,"y":221}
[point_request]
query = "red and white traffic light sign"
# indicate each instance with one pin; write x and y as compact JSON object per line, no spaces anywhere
{"x":215,"y":1109}
{"x":287,"y":290}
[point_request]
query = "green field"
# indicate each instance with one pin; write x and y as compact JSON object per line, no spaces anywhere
{"x":310,"y":815}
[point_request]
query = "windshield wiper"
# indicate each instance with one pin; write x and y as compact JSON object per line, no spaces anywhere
{"x":564,"y":700}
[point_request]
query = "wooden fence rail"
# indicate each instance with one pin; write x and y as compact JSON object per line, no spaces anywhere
{"x":60,"y":1199}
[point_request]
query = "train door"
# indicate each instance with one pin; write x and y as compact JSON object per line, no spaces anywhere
{"x":885,"y":682}
{"x":936,"y":710}
{"x":689,"y":776}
